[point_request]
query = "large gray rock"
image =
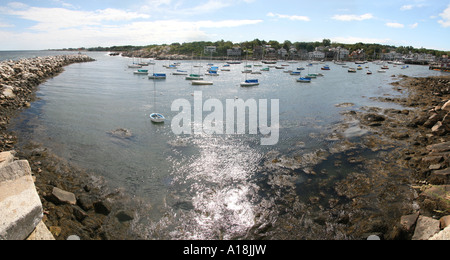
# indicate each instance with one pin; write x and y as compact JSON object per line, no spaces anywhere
{"x":443,"y":235}
{"x":63,"y":196}
{"x":20,"y":206}
{"x":426,"y":228}
{"x":6,"y":158}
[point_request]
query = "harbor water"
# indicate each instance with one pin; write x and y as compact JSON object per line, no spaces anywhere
{"x":207,"y":186}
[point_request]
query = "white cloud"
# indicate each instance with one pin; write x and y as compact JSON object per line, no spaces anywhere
{"x":5,"y":25}
{"x":63,"y":27}
{"x":414,"y":26}
{"x":352,"y":17}
{"x":187,"y":8}
{"x":406,"y":7}
{"x":410,"y":7}
{"x":17,"y":5}
{"x":58,"y":18}
{"x":445,"y":22}
{"x":395,"y":25}
{"x":290,"y":17}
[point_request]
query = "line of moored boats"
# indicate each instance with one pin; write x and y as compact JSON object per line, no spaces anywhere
{"x":198,"y":79}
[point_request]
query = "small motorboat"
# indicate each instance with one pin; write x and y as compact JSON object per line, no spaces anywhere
{"x":194,"y":77}
{"x":295,"y":73}
{"x":141,"y":72}
{"x":202,"y":82}
{"x":304,"y":80}
{"x":326,"y":67}
{"x":369,"y":72}
{"x":180,"y":72}
{"x":250,"y":83}
{"x":158,"y":76}
{"x":134,"y":66}
{"x":212,"y":73}
{"x":157,"y":118}
{"x":352,"y":70}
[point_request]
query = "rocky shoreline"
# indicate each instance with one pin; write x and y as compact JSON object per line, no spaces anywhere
{"x":412,"y":144}
{"x":417,"y":139}
{"x":74,"y":202}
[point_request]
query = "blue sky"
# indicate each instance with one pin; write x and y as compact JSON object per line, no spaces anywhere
{"x":45,"y":24}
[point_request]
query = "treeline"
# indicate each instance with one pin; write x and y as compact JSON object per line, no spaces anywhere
{"x":197,"y":48}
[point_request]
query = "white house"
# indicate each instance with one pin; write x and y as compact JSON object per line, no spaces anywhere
{"x":317,"y":55}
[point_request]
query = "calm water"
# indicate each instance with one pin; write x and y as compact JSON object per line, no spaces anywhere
{"x":198,"y":186}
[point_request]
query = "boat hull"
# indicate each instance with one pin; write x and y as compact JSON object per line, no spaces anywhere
{"x":201,"y":82}
{"x":243,"y":84}
{"x":157,"y":118}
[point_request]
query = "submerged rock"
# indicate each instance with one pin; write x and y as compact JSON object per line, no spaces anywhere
{"x":122,"y":133}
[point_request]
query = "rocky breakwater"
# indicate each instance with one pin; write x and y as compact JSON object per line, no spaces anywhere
{"x":416,"y":139}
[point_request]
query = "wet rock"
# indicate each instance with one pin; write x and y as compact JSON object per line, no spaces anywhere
{"x":432,"y":121}
{"x":344,"y":105}
{"x":439,"y":148}
{"x":85,"y":202}
{"x":122,"y":133}
{"x":124,"y":216}
{"x":400,"y":136}
{"x":63,"y":197}
{"x":374,"y":118}
{"x":79,"y":213}
{"x":409,"y":221}
{"x":103,"y":207}
{"x":440,"y":177}
{"x":432,"y":159}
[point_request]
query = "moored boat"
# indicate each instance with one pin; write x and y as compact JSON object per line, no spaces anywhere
{"x":157,"y":118}
{"x":180,"y":72}
{"x":141,"y":72}
{"x":194,"y":77}
{"x":304,"y":80}
{"x":158,"y":76}
{"x":202,"y":82}
{"x":250,"y":83}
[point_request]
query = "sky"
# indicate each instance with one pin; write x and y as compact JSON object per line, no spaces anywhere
{"x":54,"y":24}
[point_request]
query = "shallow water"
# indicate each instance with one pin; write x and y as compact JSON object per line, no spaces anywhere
{"x":205,"y":186}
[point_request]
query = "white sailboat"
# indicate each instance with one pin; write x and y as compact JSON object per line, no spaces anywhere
{"x":156,"y":117}
{"x":249,"y":82}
